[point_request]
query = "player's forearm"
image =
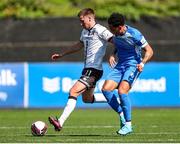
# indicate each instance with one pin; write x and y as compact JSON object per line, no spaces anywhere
{"x":147,"y":57}
{"x":67,"y":52}
{"x":148,"y":54}
{"x":72,"y":49}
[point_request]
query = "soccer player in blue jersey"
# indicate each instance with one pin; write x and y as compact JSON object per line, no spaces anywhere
{"x":129,"y":43}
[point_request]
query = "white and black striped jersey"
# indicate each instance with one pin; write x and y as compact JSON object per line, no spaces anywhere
{"x":95,"y":43}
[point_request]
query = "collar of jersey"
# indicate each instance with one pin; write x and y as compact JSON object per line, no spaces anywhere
{"x":92,"y":27}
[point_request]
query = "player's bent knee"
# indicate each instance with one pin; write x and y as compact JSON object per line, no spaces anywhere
{"x":124,"y":88}
{"x":106,"y":88}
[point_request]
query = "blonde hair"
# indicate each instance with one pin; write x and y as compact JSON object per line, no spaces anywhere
{"x":86,"y":11}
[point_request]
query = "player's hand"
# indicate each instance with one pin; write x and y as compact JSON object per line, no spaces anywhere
{"x":55,"y":56}
{"x":140,"y":67}
{"x":112,"y":61}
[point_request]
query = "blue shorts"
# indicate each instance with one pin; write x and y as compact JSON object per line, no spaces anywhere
{"x":124,"y":73}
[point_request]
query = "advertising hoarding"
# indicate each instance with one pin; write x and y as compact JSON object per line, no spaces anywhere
{"x":11,"y":85}
{"x":49,"y":85}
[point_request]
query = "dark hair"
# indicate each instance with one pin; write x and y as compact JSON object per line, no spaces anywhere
{"x":86,"y":11}
{"x":116,"y":19}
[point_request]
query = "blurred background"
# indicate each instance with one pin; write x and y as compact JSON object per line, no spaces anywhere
{"x":32,"y":30}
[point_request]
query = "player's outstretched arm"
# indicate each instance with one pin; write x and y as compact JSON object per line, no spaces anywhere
{"x":71,"y":49}
{"x":147,"y":56}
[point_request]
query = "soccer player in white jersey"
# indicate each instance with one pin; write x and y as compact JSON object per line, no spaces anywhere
{"x":129,"y":43}
{"x":94,"y":38}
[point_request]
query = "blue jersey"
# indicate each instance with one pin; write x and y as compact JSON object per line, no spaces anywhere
{"x":129,"y":46}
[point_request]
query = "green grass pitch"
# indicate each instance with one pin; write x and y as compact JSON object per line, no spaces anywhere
{"x":91,"y":126}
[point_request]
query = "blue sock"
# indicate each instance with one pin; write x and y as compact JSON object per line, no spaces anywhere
{"x":126,"y":106}
{"x":112,"y":100}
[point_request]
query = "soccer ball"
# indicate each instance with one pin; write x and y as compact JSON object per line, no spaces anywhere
{"x":38,"y":128}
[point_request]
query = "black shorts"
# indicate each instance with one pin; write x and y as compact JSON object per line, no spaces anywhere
{"x":90,"y":76}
